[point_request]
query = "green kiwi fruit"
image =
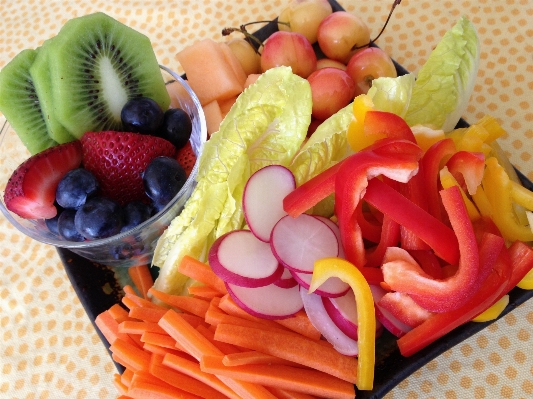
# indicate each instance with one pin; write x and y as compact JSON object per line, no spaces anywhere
{"x":43,"y":87}
{"x":20,"y":104}
{"x":98,"y":65}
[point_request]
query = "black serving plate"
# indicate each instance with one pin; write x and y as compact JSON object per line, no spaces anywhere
{"x":99,"y":287}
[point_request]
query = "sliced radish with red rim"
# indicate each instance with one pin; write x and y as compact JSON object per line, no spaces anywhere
{"x":239,"y":258}
{"x":298,"y":242}
{"x":343,"y":312}
{"x":286,"y":280}
{"x":333,"y":287}
{"x":263,"y":198}
{"x":320,"y":319}
{"x":331,"y":224}
{"x":268,"y":302}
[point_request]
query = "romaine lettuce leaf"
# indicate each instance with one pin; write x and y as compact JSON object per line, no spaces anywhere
{"x":446,"y":80}
{"x":266,"y":125}
{"x":392,"y":94}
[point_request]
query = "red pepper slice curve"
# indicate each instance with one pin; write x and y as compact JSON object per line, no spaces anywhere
{"x":468,"y":167}
{"x":432,"y":231}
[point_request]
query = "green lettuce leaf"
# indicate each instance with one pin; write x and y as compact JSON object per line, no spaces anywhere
{"x":266,"y":125}
{"x":445,"y":82}
{"x":392,"y":94}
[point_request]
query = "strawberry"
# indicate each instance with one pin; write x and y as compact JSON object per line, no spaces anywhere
{"x":186,"y":157}
{"x":118,"y":159}
{"x":31,"y":189}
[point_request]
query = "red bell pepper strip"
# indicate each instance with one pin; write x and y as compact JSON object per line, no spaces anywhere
{"x":522,"y":262}
{"x":433,"y":232}
{"x":387,"y":123}
{"x":404,"y":308}
{"x":429,"y":262}
{"x":441,"y":295}
{"x":468,"y":167}
{"x":350,"y":184}
{"x":370,"y":229}
{"x":430,"y":165}
{"x":390,"y":237}
{"x":440,"y":324}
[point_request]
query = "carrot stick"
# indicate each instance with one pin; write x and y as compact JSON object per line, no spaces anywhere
{"x":124,"y":397}
{"x":162,"y":340}
{"x":142,"y":279}
{"x":201,"y":272}
{"x":108,"y":326}
{"x":290,"y":346}
{"x":216,"y":317}
{"x":136,"y":357}
{"x":254,"y":357}
{"x":301,"y":324}
{"x":210,"y":335}
{"x":118,"y":313}
{"x":203,"y":291}
{"x":184,"y":382}
{"x":117,"y":359}
{"x":312,"y":382}
{"x":187,"y":336}
{"x":192,"y":369}
{"x":161,"y":351}
{"x":117,"y":382}
{"x":193,"y":320}
{"x":286,"y":394}
{"x":128,"y":289}
{"x":145,"y":390}
{"x":126,"y":377}
{"x":147,"y":314}
{"x":139,"y":327}
{"x":196,"y":306}
{"x":228,"y":305}
{"x":131,"y":300}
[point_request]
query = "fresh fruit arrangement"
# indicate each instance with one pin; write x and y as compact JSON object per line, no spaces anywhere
{"x":108,"y":153}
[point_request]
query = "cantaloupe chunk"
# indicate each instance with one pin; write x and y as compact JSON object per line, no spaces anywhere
{"x":225,"y":105}
{"x":209,"y":73}
{"x":233,"y":61}
{"x":250,"y":80}
{"x":213,"y":117}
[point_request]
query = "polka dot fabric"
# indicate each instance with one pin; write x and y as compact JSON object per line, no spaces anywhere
{"x":48,"y":347}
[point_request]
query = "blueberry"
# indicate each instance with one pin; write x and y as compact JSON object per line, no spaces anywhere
{"x":75,"y":187}
{"x":51,"y":223}
{"x":141,"y":115}
{"x":176,"y":127}
{"x":99,"y":217}
{"x":163,"y":178}
{"x":134,"y":213}
{"x":66,"y":226}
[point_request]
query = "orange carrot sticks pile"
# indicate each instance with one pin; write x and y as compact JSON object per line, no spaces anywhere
{"x":205,"y":346}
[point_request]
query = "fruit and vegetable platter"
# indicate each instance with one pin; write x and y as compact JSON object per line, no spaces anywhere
{"x":343,"y":225}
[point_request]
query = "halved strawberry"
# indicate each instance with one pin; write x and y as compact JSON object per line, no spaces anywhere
{"x":31,"y":189}
{"x":186,"y":157}
{"x":118,"y":159}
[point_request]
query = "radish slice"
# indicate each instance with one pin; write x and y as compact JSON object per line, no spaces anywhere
{"x":391,"y":323}
{"x":343,"y":312}
{"x":263,"y":198}
{"x":298,"y":242}
{"x":333,"y":287}
{"x":268,"y":302}
{"x":337,"y":232}
{"x":238,"y":257}
{"x":320,"y":319}
{"x":286,"y":280}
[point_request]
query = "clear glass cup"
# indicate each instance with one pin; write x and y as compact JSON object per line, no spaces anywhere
{"x":131,"y":248}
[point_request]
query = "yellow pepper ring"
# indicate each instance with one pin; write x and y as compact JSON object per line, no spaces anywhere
{"x":366,"y":317}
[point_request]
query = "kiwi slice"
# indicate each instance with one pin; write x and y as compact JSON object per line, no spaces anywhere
{"x":20,"y":104}
{"x":96,"y":65}
{"x":43,"y":87}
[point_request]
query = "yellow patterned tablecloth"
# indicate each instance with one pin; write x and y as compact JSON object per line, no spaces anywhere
{"x":48,"y":347}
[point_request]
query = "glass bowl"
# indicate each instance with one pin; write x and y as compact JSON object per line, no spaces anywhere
{"x":133,"y":247}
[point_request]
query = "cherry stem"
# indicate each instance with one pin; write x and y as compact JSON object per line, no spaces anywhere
{"x":251,"y":39}
{"x":394,"y":4}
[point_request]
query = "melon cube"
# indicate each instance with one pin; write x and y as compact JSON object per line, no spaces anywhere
{"x":213,"y":117}
{"x":210,"y":71}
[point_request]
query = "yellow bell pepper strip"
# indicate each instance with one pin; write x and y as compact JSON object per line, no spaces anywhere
{"x":440,"y":324}
{"x":498,"y":187}
{"x":451,"y":293}
{"x":482,"y":202}
{"x":494,"y":311}
{"x":527,"y":282}
{"x":355,"y":135}
{"x":469,"y":166}
{"x":521,"y":195}
{"x":366,"y":317}
{"x":430,"y":164}
{"x":432,"y":231}
{"x":447,"y":180}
